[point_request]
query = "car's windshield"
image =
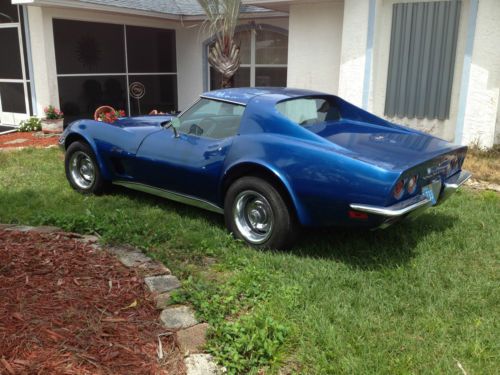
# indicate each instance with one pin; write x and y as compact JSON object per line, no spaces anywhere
{"x":211,"y":118}
{"x":309,"y":111}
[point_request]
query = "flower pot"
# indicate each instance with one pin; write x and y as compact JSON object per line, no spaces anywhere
{"x":52,"y":126}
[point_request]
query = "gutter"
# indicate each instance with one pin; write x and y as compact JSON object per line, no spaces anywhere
{"x":136,"y":12}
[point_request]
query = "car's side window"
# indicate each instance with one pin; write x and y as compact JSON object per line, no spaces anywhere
{"x":212,"y":119}
{"x":309,"y":111}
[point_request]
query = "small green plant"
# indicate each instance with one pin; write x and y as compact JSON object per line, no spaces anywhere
{"x":33,"y":124}
{"x":248,"y":344}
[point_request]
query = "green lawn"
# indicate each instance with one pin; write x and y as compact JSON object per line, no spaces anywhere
{"x":417,"y":298}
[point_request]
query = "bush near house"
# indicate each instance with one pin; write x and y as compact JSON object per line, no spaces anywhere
{"x":420,"y":297}
{"x":33,"y":124}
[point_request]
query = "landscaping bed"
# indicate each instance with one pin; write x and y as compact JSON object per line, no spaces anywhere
{"x":69,"y":308}
{"x":27,"y":139}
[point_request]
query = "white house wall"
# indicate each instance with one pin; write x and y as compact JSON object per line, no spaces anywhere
{"x":189,"y":48}
{"x":353,"y":57}
{"x":314,"y":45}
{"x":481,"y":122}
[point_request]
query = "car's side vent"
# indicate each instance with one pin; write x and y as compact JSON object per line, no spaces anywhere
{"x":118,"y":166}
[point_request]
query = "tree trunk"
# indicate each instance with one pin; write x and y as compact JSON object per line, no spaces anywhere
{"x":226,"y":82}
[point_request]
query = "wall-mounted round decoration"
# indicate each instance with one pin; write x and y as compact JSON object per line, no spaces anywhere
{"x":137,"y":90}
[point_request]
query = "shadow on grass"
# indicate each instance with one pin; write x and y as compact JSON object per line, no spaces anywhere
{"x":359,"y":248}
{"x":366,"y":249}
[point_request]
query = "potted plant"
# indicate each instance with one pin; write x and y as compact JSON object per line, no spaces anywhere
{"x":108,"y":114}
{"x":53,"y":121}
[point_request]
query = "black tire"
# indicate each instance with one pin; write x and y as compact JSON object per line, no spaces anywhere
{"x":84,"y":153}
{"x":248,"y":192}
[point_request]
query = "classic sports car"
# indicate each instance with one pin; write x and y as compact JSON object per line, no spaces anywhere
{"x":271,"y":160}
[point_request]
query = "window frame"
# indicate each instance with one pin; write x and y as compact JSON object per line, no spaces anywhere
{"x":253,"y":66}
{"x":25,"y":79}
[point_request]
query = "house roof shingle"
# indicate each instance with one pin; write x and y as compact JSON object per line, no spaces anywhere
{"x":174,"y":7}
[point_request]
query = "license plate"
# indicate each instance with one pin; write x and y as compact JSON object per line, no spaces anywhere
{"x":430,"y":192}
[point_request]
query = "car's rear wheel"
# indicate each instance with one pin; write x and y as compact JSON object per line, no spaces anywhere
{"x":257,"y":213}
{"x":82,"y":169}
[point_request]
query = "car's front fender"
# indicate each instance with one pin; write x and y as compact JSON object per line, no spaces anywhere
{"x":77,"y":131}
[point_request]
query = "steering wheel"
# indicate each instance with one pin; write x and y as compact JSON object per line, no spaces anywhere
{"x":207,"y":125}
{"x":195,"y":129}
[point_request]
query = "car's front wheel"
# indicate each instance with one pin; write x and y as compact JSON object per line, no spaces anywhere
{"x":256,"y":212}
{"x":82,"y":169}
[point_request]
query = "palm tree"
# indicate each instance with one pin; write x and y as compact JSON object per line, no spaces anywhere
{"x":222,"y":18}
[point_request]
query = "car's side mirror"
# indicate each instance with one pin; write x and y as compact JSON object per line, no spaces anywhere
{"x":175,"y":124}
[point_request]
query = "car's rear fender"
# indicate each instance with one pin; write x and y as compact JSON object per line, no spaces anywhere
{"x":319,"y":181}
{"x":262,"y":169}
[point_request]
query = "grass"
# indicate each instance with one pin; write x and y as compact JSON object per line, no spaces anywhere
{"x":420,"y":297}
{"x":484,"y":163}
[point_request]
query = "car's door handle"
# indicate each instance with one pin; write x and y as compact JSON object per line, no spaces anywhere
{"x":214,"y":150}
{"x":217,"y":147}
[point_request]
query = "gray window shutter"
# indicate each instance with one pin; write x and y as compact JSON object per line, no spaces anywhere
{"x":422,"y":59}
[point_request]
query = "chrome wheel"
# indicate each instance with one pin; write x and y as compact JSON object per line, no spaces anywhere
{"x":82,"y":170}
{"x":253,"y":216}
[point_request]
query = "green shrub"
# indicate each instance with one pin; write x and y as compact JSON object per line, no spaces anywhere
{"x":33,"y":124}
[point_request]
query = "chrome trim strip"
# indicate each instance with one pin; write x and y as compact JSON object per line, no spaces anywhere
{"x":222,"y":100}
{"x":398,"y":209}
{"x":457,"y":180}
{"x":192,"y":201}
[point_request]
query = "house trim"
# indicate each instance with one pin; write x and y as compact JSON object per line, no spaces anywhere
{"x":369,"y":54}
{"x":469,"y":47}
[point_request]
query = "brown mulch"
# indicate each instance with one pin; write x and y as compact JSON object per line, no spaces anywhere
{"x":67,"y":308}
{"x":27,"y":139}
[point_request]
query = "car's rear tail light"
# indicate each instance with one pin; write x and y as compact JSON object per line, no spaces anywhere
{"x":399,"y":189}
{"x":411,"y":186}
{"x":358,"y":215}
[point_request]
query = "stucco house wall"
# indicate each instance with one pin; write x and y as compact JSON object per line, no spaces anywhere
{"x":314,"y":45}
{"x":482,"y":115}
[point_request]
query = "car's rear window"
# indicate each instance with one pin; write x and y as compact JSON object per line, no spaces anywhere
{"x":309,"y":111}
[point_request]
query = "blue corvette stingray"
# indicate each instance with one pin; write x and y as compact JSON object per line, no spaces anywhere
{"x":271,"y":160}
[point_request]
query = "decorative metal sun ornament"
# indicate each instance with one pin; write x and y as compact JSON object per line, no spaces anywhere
{"x":137,"y":90}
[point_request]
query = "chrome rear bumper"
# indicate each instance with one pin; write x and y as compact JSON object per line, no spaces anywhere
{"x":452,"y":184}
{"x":413,"y":206}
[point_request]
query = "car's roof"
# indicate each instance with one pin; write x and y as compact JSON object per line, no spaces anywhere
{"x":243,"y":95}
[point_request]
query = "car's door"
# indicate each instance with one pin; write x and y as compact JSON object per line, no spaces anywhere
{"x":191,"y":163}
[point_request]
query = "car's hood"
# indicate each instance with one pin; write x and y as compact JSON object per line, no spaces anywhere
{"x":389,"y":146}
{"x":138,"y":121}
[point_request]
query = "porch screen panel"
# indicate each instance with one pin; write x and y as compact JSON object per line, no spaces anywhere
{"x":422,"y":59}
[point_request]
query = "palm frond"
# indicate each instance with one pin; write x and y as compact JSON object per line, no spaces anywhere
{"x":222,"y":19}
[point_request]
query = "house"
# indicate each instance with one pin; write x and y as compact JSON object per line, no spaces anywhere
{"x":432,"y":65}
